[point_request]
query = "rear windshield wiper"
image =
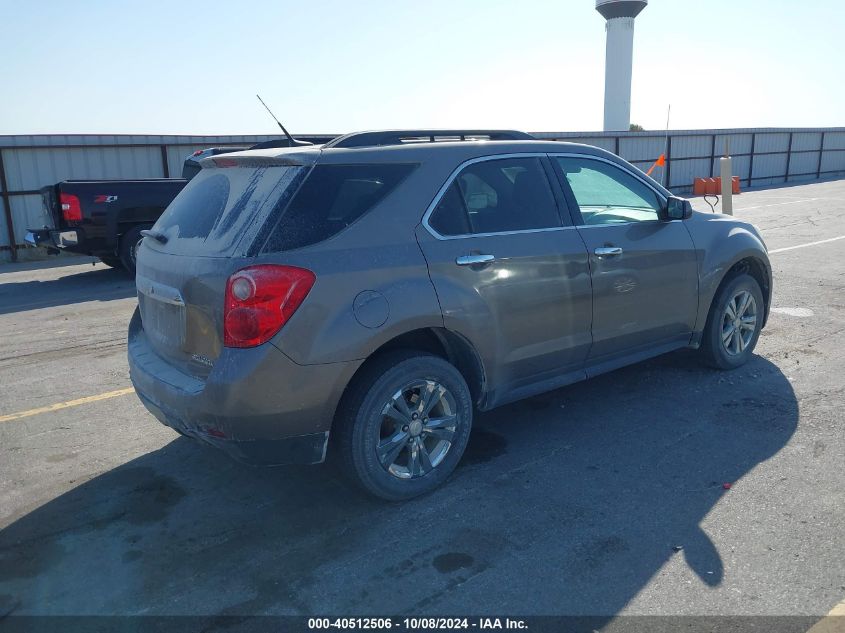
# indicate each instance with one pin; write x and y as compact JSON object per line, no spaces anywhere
{"x":158,"y":237}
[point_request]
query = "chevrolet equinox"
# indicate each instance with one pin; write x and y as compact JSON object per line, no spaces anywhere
{"x":363,"y":298}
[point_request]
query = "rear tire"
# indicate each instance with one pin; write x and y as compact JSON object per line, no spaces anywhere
{"x":734,"y":323}
{"x":129,"y":245}
{"x":397,"y":451}
{"x":112,"y":262}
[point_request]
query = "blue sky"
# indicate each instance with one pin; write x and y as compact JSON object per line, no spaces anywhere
{"x":332,"y":66}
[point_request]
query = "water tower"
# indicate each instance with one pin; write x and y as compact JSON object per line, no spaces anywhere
{"x":619,"y":55}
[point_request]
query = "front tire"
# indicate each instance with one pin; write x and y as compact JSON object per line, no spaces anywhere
{"x":734,"y":323}
{"x":404,"y":424}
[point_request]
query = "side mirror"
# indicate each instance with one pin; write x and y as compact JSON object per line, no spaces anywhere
{"x":678,"y":208}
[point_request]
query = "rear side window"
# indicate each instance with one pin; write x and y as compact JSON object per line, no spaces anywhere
{"x":221,"y":210}
{"x":330,"y":199}
{"x":496,"y":196}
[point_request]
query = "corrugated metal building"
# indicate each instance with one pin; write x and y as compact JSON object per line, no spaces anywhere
{"x":761,"y":156}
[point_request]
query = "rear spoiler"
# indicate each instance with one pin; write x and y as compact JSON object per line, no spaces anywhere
{"x":297,"y":160}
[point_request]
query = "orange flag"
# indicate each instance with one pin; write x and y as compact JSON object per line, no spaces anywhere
{"x":660,"y":162}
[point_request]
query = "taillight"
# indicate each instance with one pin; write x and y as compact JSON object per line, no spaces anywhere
{"x":71,"y":209}
{"x":260,"y":300}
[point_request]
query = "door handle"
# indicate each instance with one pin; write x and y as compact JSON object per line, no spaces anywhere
{"x":474,"y":260}
{"x":607,"y":251}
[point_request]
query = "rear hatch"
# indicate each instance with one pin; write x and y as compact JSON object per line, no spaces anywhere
{"x":207,"y":233}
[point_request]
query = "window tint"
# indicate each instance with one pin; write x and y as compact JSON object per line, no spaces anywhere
{"x":223,"y":208}
{"x":330,"y":199}
{"x":608,"y":194}
{"x":195,"y":213}
{"x":510,"y":194}
{"x":450,"y":216}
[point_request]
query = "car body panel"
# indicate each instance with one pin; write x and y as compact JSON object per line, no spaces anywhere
{"x":528,"y":312}
{"x":178,"y":299}
{"x":646,"y":295}
{"x":344,"y":319}
{"x":250,"y":395}
{"x":349,"y":270}
{"x":720,"y":242}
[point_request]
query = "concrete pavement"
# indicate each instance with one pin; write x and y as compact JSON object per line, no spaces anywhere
{"x":602,"y":498}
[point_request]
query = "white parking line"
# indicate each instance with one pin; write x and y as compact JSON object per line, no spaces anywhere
{"x":776,"y":204}
{"x":792,"y":248}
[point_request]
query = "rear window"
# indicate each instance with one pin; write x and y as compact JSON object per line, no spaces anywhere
{"x":330,"y":199}
{"x":497,"y":196}
{"x":221,"y":211}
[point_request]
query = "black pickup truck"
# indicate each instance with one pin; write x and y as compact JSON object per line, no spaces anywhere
{"x":104,"y":218}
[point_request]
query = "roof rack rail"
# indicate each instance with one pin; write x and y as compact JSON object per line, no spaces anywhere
{"x":406,"y":137}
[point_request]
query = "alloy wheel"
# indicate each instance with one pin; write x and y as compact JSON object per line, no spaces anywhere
{"x":739,"y":322}
{"x":418,"y":427}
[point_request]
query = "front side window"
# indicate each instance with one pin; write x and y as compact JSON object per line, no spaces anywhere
{"x":607,"y":194}
{"x":495,"y":196}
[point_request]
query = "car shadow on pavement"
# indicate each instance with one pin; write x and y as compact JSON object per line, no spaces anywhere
{"x":567,"y":504}
{"x":95,"y":284}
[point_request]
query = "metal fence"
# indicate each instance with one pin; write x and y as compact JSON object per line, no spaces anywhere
{"x":761,"y":156}
{"x":29,"y":162}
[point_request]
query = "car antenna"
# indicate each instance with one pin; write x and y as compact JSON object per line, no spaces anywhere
{"x":292,"y":140}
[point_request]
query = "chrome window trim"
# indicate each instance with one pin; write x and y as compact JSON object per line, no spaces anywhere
{"x":604,"y":226}
{"x":658,"y":193}
{"x":480,"y":159}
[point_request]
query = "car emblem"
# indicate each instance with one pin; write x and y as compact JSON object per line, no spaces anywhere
{"x":204,"y":360}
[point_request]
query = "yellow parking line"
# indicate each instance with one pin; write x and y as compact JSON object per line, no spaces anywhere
{"x":65,"y":405}
{"x":833,"y":622}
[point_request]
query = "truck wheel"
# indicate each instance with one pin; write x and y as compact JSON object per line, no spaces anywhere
{"x":112,"y":262}
{"x":734,"y":323}
{"x":129,"y":245}
{"x":403,"y":425}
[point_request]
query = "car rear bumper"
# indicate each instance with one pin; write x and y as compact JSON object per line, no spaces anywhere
{"x":256,"y":404}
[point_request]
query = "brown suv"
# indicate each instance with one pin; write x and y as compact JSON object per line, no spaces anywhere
{"x":363,"y":297}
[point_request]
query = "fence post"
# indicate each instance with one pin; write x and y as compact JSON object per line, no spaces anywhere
{"x":788,"y":158}
{"x":821,"y":153}
{"x":164,"y":167}
{"x":7,"y":208}
{"x":712,"y":155}
{"x":751,"y":157}
{"x":667,"y":173}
